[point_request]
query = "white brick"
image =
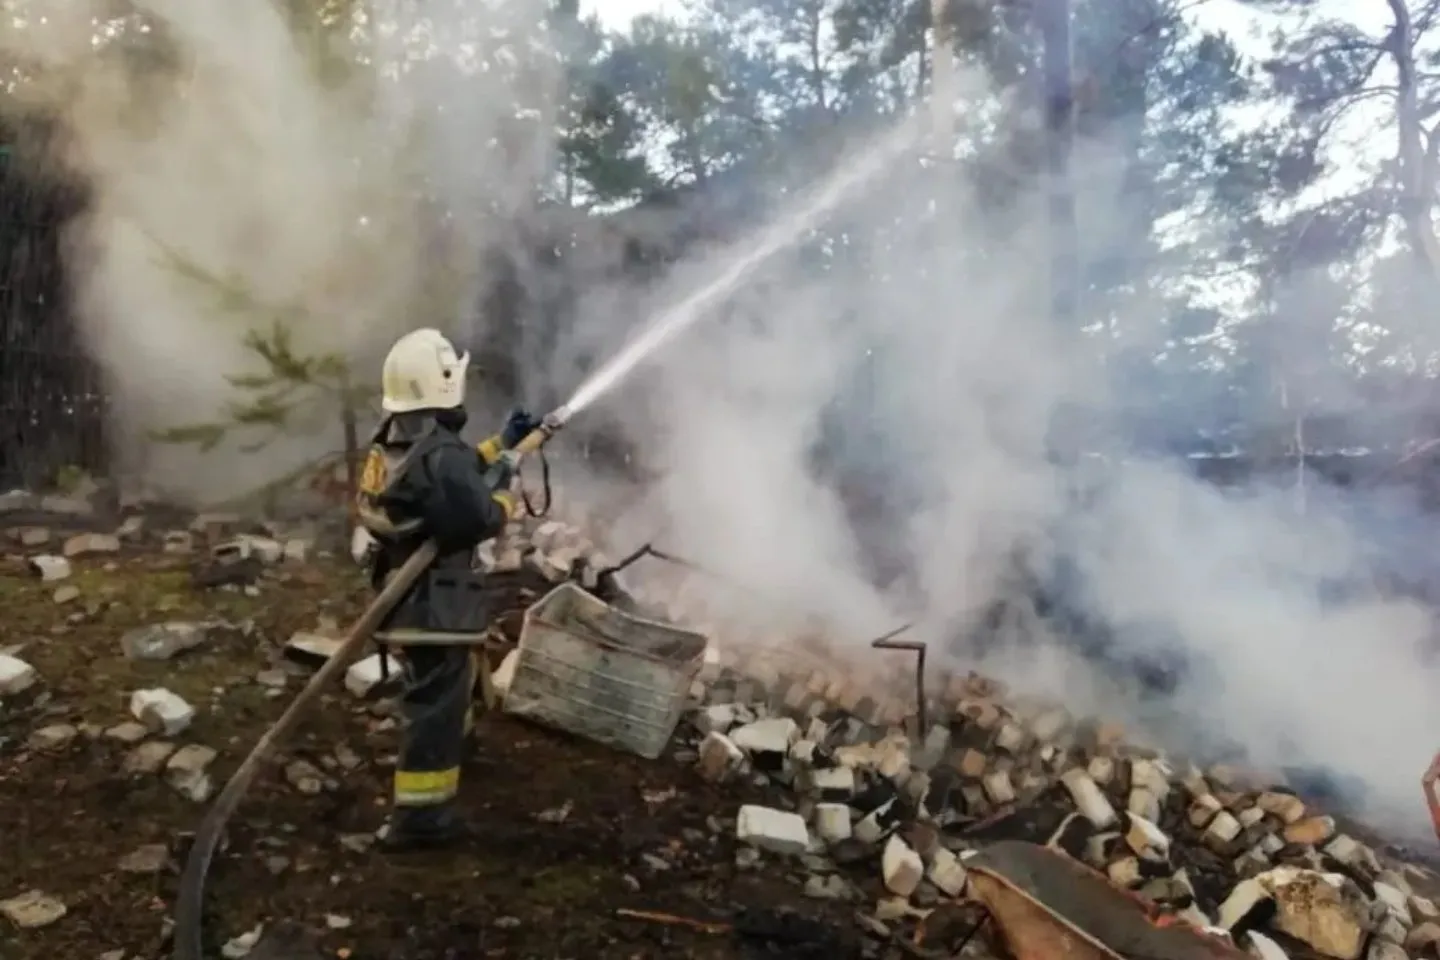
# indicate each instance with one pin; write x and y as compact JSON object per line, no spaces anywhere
{"x":836,"y":783}
{"x":719,"y":757}
{"x":715,"y":719}
{"x":1088,"y":798}
{"x":901,"y":868}
{"x":16,"y":676}
{"x":1223,"y":828}
{"x":1152,"y":776}
{"x":873,"y":827}
{"x":1146,"y":839}
{"x":1143,"y":803}
{"x":894,"y":761}
{"x":161,"y":710}
{"x":773,"y":830}
{"x":363,"y":675}
{"x":50,"y":568}
{"x":767,"y":736}
{"x":947,"y":873}
{"x":833,"y":821}
{"x":998,"y":787}
{"x":1287,"y":807}
{"x":1203,"y":809}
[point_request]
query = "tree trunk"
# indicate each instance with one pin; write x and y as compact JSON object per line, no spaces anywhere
{"x":1054,"y":23}
{"x":1415,"y":161}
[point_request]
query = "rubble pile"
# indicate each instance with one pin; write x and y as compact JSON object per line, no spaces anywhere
{"x":1217,"y":848}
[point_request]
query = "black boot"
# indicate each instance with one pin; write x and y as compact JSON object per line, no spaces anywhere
{"x":424,"y":828}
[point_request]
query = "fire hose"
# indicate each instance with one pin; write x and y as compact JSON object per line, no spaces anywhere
{"x":190,"y":904}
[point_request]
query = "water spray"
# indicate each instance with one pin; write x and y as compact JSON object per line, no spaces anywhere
{"x":755,"y":252}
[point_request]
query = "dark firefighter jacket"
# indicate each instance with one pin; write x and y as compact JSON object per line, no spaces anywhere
{"x":422,"y":480}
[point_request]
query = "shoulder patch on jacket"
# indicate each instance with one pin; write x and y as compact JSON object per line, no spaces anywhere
{"x":374,"y":476}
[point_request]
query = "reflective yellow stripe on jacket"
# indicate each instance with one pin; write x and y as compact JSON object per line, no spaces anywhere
{"x":427,"y":788}
{"x":490,"y":448}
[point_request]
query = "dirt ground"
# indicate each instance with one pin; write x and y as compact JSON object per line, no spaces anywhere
{"x":568,"y":832}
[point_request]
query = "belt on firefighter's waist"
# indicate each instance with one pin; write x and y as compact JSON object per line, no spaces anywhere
{"x":408,"y":637}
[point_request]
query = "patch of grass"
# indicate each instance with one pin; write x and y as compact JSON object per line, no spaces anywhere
{"x":76,"y":646}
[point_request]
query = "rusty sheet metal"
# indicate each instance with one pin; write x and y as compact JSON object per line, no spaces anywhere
{"x":1049,"y":907}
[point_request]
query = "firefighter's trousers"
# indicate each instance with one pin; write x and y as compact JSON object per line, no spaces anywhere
{"x":437,"y":715}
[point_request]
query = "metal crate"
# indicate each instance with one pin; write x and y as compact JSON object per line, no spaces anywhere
{"x":603,"y":674}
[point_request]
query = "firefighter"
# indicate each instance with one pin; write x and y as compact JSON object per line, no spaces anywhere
{"x":421,"y":480}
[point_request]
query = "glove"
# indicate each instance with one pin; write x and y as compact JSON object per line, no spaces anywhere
{"x":520,"y":425}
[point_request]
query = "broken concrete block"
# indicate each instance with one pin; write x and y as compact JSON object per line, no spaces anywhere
{"x":365,"y":675}
{"x":186,"y":771}
{"x":16,"y":676}
{"x":311,"y":649}
{"x":49,"y":569}
{"x":719,"y":757}
{"x":1310,"y":831}
{"x":947,"y":873}
{"x":1223,"y":829}
{"x":1286,"y":807}
{"x":901,"y":867}
{"x":161,"y":641}
{"x":128,"y":732}
{"x":834,"y":784}
{"x":1152,"y":776}
{"x":1147,"y":840}
{"x":1101,"y":770}
{"x":244,"y":547}
{"x":161,"y":710}
{"x":32,"y":909}
{"x":998,"y":787}
{"x":1203,"y":808}
{"x":970,"y":763}
{"x":1425,"y":936}
{"x":833,"y":822}
{"x":1125,"y":872}
{"x":1089,"y":800}
{"x":877,"y":824}
{"x":1144,"y":804}
{"x":1325,"y":911}
{"x":767,"y":736}
{"x":148,"y":757}
{"x":55,"y":736}
{"x":1010,"y":738}
{"x":717,"y":718}
{"x":1395,"y":902}
{"x":89,"y":544}
{"x":773,"y":830}
{"x":893,"y":761}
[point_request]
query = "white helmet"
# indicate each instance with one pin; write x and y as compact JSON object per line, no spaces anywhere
{"x":423,"y":372}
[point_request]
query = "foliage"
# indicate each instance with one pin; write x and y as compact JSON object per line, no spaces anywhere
{"x":291,"y":391}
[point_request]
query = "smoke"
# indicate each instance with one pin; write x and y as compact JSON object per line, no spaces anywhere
{"x":244,"y":170}
{"x":912,"y":344}
{"x":864,"y":434}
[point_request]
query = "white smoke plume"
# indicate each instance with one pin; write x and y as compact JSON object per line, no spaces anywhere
{"x":240,"y":175}
{"x":253,"y":169}
{"x":966,"y":374}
